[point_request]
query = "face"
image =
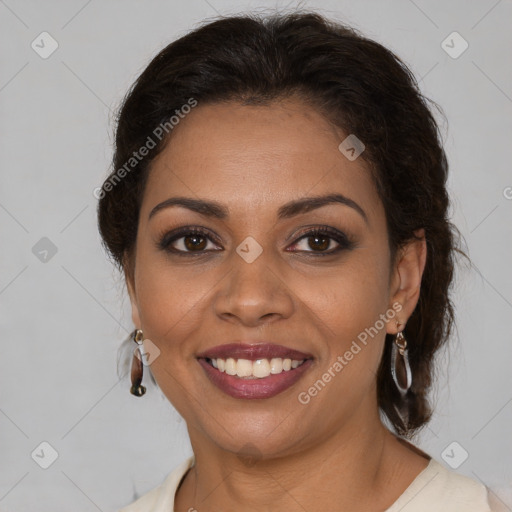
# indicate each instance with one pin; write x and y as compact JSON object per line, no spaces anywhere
{"x":265,"y":273}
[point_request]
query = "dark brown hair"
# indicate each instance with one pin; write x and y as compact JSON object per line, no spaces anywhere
{"x":358,"y":85}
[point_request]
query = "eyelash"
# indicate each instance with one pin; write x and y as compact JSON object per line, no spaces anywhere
{"x":344,"y":242}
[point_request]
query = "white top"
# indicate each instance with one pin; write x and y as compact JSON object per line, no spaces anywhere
{"x":435,"y":488}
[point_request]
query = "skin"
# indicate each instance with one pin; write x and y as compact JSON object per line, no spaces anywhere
{"x":274,"y":454}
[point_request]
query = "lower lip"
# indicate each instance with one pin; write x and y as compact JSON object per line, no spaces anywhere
{"x":254,"y":388}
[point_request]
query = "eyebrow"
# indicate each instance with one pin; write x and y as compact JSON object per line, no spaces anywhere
{"x":288,"y":210}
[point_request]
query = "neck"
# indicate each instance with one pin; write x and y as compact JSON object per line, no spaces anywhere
{"x":352,"y":468}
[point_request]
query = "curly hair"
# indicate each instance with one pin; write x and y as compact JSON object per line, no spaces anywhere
{"x":358,"y":85}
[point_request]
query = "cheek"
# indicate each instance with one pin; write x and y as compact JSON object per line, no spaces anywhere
{"x":354,"y":294}
{"x":161,"y":299}
{"x":170,"y":309}
{"x":173,"y":302}
{"x":352,"y":305}
{"x":169,"y":306}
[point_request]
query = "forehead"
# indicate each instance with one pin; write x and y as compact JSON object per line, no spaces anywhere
{"x":253,"y":157}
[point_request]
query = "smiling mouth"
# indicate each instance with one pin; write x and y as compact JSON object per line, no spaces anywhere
{"x":254,"y":370}
{"x":257,"y":369}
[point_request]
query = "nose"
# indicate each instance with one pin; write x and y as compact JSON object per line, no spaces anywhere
{"x":254,"y":294}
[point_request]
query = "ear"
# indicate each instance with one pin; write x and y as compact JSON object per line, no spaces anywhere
{"x":129,"y":277}
{"x":406,"y":279}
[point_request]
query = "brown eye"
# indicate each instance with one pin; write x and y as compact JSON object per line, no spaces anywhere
{"x":195,"y":242}
{"x":187,"y":241}
{"x":319,"y":242}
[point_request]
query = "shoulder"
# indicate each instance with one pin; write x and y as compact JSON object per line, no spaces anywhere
{"x":161,"y":498}
{"x":438,"y":488}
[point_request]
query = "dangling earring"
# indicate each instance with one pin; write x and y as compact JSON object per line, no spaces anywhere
{"x":400,"y":368}
{"x":137,"y":388}
{"x":401,"y":372}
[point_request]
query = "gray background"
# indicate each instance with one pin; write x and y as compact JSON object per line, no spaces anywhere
{"x":64,"y":318}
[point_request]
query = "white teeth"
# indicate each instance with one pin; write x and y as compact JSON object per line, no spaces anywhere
{"x":258,"y":369}
{"x":230,"y":366}
{"x":261,"y":368}
{"x":276,"y":365}
{"x":244,"y":368}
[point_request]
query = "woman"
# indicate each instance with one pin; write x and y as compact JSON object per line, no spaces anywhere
{"x":278,"y":208}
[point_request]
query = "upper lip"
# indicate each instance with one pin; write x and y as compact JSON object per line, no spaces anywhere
{"x":253,"y":351}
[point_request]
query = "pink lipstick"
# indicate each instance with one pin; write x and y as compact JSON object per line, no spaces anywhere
{"x":254,"y":371}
